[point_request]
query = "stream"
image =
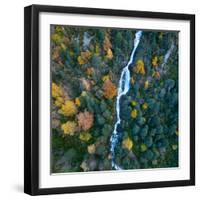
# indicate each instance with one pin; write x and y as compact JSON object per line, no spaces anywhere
{"x":123,"y":88}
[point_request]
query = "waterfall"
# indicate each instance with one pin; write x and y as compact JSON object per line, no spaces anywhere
{"x":123,"y":88}
{"x":166,"y":57}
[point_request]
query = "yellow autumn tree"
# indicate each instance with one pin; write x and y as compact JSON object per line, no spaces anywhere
{"x":106,"y":43}
{"x":134,"y":113}
{"x":85,"y":136}
{"x":84,"y":57}
{"x":139,"y":67}
{"x":68,"y":108}
{"x":56,"y":90}
{"x":77,"y":102}
{"x":146,"y":84}
{"x":91,"y":149}
{"x":145,"y":106}
{"x":105,"y":78}
{"x":127,"y":143}
{"x":59,"y":101}
{"x":109,"y":54}
{"x":59,"y":95}
{"x":107,"y":47}
{"x":90,"y":71}
{"x":155,"y":61}
{"x":69,"y":128}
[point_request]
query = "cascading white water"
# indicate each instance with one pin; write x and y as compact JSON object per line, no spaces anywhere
{"x":167,"y":56}
{"x":124,"y":86}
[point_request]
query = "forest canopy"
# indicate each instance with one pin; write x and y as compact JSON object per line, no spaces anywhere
{"x":86,"y":65}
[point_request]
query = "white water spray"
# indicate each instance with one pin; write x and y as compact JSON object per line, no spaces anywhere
{"x":167,"y":55}
{"x":124,"y":86}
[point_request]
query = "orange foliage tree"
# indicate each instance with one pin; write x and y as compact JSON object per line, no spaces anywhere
{"x":109,"y":89}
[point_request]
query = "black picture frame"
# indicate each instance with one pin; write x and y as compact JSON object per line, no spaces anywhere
{"x":31,"y":98}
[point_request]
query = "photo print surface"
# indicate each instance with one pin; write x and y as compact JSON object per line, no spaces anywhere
{"x":114,"y":99}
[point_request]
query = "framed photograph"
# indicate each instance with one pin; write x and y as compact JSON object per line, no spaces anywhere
{"x":109,"y":100}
